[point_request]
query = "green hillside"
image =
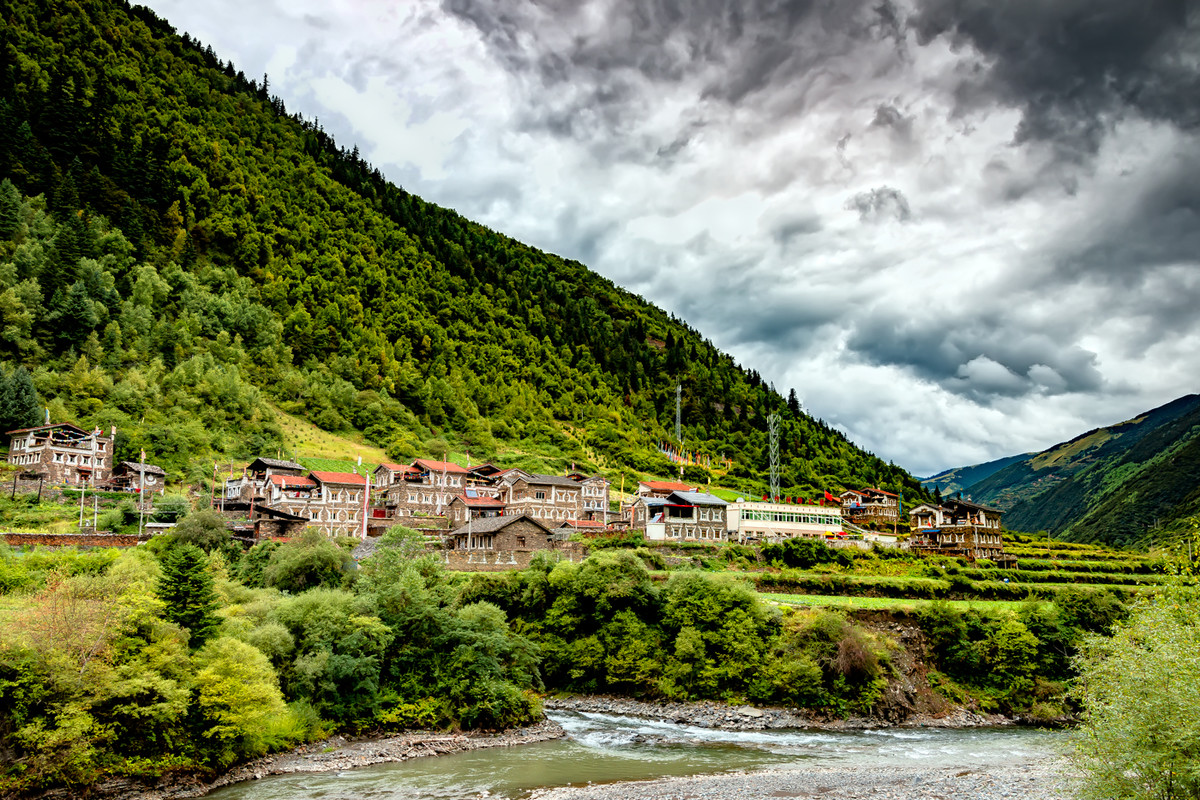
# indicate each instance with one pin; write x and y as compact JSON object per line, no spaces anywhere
{"x":959,"y":479}
{"x":1109,"y":485}
{"x":181,"y":256}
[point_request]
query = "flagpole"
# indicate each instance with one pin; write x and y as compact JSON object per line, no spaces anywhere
{"x":141,"y":494}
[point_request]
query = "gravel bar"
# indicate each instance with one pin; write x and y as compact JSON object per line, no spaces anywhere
{"x":1044,"y":779}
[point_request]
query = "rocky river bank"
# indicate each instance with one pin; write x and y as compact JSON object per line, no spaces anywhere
{"x":339,"y":753}
{"x":711,"y":714}
{"x":329,"y":755}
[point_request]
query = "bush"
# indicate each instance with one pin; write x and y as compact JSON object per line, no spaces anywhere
{"x":1140,"y":738}
{"x":800,"y":552}
{"x":309,"y":562}
{"x":205,"y":529}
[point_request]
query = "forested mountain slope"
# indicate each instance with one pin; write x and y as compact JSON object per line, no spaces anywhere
{"x":192,"y":250}
{"x":960,"y":479}
{"x":1110,"y":484}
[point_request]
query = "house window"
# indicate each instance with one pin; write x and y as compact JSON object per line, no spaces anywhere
{"x":520,"y":541}
{"x":539,"y":495}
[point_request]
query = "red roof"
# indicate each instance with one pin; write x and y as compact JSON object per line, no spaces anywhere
{"x":482,"y":502}
{"x":393,"y":467}
{"x":583,"y":523}
{"x":290,"y":480}
{"x":438,"y":466}
{"x":667,"y":486}
{"x":346,"y":478}
{"x":877,"y":491}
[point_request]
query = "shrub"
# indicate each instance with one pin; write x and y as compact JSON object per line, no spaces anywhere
{"x":1140,"y":738}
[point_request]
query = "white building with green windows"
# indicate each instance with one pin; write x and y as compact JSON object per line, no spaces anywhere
{"x":756,"y":520}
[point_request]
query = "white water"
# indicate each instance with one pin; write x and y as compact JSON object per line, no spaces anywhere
{"x":601,"y":748}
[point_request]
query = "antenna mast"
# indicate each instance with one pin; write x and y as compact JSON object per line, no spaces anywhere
{"x":773,"y":452}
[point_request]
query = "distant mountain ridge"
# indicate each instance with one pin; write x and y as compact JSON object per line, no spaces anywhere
{"x":1111,"y":484}
{"x":960,"y":479}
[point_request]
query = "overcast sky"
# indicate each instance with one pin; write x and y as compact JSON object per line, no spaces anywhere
{"x":961,"y":229}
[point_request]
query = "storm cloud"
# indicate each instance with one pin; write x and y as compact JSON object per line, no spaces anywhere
{"x":960,"y":229}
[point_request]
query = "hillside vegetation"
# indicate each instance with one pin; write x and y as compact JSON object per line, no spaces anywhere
{"x":1112,"y":485}
{"x":179,"y":255}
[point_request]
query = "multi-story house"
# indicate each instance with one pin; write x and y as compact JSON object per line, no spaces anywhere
{"x":663,"y":488}
{"x":958,"y":528}
{"x":385,"y":475}
{"x":62,"y":453}
{"x":870,"y":505}
{"x":426,"y":487}
{"x":546,"y":498}
{"x":682,"y":516}
{"x":593,"y":492}
{"x":471,"y":505}
{"x":250,"y":486}
{"x":336,"y":502}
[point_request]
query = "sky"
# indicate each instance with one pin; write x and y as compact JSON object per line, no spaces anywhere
{"x":960,"y":229}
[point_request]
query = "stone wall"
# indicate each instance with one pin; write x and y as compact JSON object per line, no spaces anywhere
{"x":502,"y":560}
{"x":92,"y":539}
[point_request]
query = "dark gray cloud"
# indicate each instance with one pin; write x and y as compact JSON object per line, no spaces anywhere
{"x":980,"y":354}
{"x":776,"y":55}
{"x":1074,"y":67}
{"x":1162,"y":228}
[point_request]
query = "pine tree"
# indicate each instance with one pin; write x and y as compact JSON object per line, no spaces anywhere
{"x":187,"y":589}
{"x":20,"y":405}
{"x":76,"y":318}
{"x":794,"y":403}
{"x":10,"y":209}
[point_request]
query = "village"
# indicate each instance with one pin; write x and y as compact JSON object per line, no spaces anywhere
{"x":483,"y":517}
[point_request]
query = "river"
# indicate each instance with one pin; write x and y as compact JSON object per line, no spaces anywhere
{"x":603,"y":748}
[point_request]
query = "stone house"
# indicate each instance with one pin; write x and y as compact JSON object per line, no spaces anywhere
{"x":336,"y":503}
{"x":495,"y":534}
{"x":250,"y":486}
{"x":426,"y":487}
{"x":132,"y":476}
{"x":594,"y":496}
{"x":870,"y":505}
{"x":386,"y":474}
{"x":685,"y":516}
{"x":62,"y":453}
{"x":547,"y":498}
{"x":663,"y":488}
{"x":478,"y":507}
{"x":958,"y":528}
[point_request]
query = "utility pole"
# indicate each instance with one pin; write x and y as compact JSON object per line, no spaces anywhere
{"x":773,"y":453}
{"x":82,"y":493}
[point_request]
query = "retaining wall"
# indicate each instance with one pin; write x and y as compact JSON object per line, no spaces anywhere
{"x":92,"y":539}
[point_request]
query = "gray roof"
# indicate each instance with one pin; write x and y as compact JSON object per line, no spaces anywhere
{"x":278,"y":463}
{"x":946,"y":502}
{"x":493,"y":524}
{"x":699,"y":498}
{"x":137,"y":466}
{"x":553,"y":480}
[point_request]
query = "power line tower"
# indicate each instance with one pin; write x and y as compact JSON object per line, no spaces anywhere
{"x":773,"y":453}
{"x":678,"y":417}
